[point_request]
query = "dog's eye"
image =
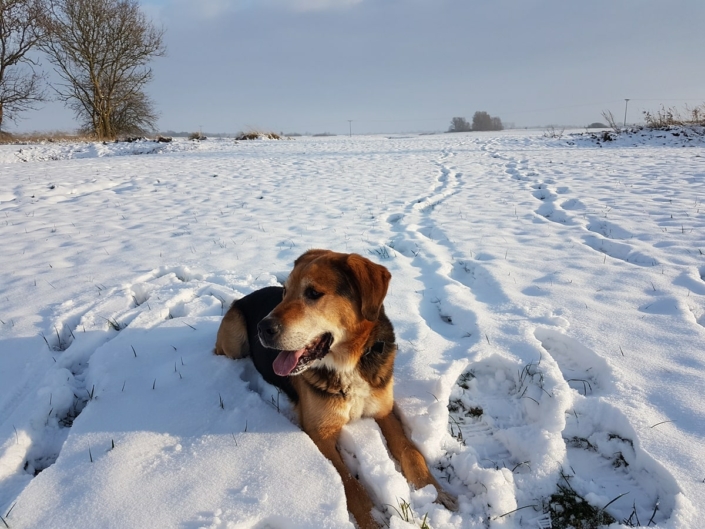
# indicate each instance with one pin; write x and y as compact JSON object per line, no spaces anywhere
{"x":312,"y":293}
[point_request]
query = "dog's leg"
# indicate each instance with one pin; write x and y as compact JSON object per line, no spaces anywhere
{"x":232,"y":335}
{"x":413,"y":464}
{"x":359,"y":502}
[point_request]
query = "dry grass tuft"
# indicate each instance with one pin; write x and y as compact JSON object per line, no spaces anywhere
{"x":29,"y":138}
{"x":40,"y":138}
{"x":671,"y":117}
{"x":258,"y":135}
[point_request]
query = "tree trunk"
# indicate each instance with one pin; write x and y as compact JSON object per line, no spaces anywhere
{"x":104,"y":131}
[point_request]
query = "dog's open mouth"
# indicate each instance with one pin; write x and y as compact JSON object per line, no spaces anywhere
{"x":294,"y":362}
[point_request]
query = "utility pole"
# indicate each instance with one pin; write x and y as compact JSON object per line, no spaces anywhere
{"x":350,"y":123}
{"x":626,"y":104}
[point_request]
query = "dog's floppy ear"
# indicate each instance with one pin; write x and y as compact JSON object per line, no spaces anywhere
{"x":309,"y":256}
{"x":372,"y":281}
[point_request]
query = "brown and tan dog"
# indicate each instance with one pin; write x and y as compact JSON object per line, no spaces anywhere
{"x":325,"y":340}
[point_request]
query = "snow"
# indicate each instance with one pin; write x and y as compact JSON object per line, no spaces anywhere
{"x":548,"y":297}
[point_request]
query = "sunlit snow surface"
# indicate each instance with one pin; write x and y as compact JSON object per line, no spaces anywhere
{"x":550,"y":293}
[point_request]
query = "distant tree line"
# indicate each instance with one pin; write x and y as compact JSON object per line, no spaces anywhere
{"x":100,"y":50}
{"x":480,"y":121}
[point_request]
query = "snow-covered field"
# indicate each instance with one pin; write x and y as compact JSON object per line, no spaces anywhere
{"x":548,"y":297}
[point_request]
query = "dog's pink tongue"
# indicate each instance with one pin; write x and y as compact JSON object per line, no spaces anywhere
{"x":286,"y":361}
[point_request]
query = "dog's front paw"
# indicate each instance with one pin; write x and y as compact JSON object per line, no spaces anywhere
{"x":367,"y":521}
{"x":446,"y":499}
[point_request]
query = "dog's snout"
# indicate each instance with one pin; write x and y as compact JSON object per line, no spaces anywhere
{"x":268,"y":328}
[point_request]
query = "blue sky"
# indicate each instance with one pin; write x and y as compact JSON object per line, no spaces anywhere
{"x":411,"y":65}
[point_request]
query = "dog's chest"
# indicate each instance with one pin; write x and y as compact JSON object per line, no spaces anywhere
{"x":359,"y":399}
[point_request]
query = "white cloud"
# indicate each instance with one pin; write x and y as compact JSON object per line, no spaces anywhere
{"x":209,"y":9}
{"x":316,"y":5}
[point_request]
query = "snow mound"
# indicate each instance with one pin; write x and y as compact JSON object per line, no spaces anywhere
{"x":675,"y":136}
{"x":46,"y":151}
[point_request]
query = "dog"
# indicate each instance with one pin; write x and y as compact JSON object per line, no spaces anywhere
{"x":325,"y":340}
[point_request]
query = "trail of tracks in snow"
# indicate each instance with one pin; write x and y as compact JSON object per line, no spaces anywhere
{"x":554,"y":204}
{"x":499,"y":407}
{"x":598,"y":226}
{"x":44,"y":410}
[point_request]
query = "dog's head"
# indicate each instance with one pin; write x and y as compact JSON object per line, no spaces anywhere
{"x":329,"y":300}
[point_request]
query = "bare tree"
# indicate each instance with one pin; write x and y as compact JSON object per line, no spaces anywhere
{"x":483,"y":121}
{"x":459,"y":125}
{"x":607,"y":114}
{"x":20,"y":86}
{"x":101,"y":49}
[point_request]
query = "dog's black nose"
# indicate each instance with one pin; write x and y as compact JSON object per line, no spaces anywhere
{"x":268,"y":328}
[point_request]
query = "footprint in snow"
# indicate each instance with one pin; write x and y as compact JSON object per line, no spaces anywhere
{"x":608,"y":229}
{"x":572,"y":203}
{"x":542,"y":193}
{"x":606,"y":466}
{"x":394,"y":218}
{"x":478,"y":417}
{"x":619,"y":250}
{"x":81,"y":331}
{"x":507,"y":419}
{"x":516,"y":450}
{"x":511,"y":170}
{"x":604,"y":462}
{"x":549,"y":209}
{"x":583,"y":370}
